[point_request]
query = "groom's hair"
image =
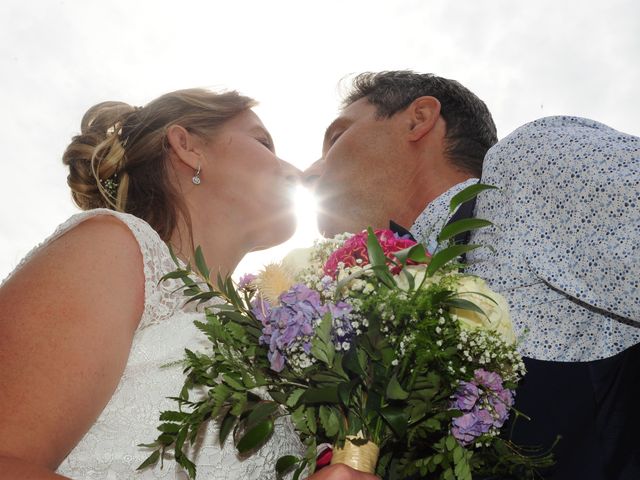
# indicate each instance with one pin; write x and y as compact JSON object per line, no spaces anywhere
{"x":470,"y":128}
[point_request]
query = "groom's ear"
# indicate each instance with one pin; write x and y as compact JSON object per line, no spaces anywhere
{"x":184,"y":146}
{"x":423,"y":115}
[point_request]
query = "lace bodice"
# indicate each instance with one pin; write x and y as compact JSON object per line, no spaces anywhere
{"x":109,"y":449}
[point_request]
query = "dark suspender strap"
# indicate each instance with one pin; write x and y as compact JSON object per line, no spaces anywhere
{"x":464,"y":211}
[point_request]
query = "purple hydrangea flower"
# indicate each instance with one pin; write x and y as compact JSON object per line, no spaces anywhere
{"x":471,"y":425}
{"x":289,"y":327}
{"x":290,"y":324}
{"x":484,"y":403}
{"x":466,"y":396}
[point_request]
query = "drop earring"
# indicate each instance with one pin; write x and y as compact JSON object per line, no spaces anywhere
{"x":196,"y":177}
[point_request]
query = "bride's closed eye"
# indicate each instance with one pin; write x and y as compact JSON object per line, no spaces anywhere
{"x":266,"y":142}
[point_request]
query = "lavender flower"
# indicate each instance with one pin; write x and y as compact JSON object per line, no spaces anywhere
{"x":246,"y":280}
{"x":342,"y":329}
{"x":485,"y":404}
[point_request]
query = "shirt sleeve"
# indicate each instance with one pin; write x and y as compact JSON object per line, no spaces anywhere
{"x":575,"y":185}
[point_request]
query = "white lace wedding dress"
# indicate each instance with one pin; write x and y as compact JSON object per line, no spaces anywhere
{"x":109,"y":449}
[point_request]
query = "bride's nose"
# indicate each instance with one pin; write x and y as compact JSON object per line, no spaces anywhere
{"x":311,"y":175}
{"x":291,"y":173}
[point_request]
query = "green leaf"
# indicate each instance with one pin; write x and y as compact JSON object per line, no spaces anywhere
{"x":344,"y":393}
{"x":321,"y":345}
{"x":171,"y":416}
{"x":396,"y":418}
{"x":234,"y":383}
{"x":151,"y":460}
{"x":298,"y":417}
{"x":175,"y":275}
{"x":444,"y":256}
{"x":165,"y":439}
{"x":351,"y":363}
{"x":300,"y":469}
{"x":201,"y":264}
{"x":312,"y":421}
{"x":286,"y":463}
{"x":450,"y":443}
{"x":467,"y":194}
{"x":465,"y":305}
{"x":292,"y":401}
{"x":261,"y":412}
{"x":395,"y":390}
{"x":416,"y":252}
{"x":458,"y":454}
{"x":202,"y":297}
{"x":329,"y":419}
{"x":255,"y":437}
{"x":374,"y":250}
{"x":188,"y":465}
{"x":169,"y":427}
{"x":377,"y":259}
{"x":327,"y":394}
{"x":460,"y":226}
{"x":227,"y":424}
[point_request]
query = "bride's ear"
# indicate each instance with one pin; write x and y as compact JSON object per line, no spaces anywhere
{"x":184,"y":146}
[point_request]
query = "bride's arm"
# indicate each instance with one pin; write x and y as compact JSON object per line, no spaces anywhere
{"x":67,"y":319}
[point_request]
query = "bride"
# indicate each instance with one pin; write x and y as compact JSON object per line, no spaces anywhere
{"x":86,"y":324}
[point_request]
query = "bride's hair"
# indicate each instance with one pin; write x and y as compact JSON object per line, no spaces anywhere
{"x":119,"y":159}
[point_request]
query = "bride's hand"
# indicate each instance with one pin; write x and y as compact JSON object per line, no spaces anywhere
{"x":341,"y":472}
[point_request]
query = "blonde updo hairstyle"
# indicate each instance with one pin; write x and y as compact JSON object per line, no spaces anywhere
{"x":119,"y":160}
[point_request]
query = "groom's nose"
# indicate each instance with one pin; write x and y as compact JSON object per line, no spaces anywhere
{"x":311,"y":175}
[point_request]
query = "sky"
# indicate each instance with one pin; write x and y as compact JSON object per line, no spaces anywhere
{"x":524,"y":59}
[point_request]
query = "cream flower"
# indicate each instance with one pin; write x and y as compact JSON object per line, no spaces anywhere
{"x":273,"y":280}
{"x":297,"y":260}
{"x":277,"y":278}
{"x":497,"y":311}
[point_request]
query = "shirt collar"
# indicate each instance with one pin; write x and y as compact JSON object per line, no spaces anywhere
{"x":436,"y":215}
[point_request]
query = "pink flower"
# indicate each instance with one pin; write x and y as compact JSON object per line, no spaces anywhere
{"x":355,"y":249}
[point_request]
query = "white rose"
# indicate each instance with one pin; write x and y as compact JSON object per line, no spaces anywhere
{"x":497,"y":311}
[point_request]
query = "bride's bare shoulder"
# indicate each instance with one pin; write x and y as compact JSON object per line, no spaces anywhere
{"x":67,"y":319}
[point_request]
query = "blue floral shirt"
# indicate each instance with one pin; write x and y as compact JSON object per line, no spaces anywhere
{"x":567,"y":236}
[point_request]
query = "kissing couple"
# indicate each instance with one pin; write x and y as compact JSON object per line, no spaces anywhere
{"x":86,"y":323}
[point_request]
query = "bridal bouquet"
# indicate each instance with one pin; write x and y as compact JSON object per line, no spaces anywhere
{"x":405,"y":365}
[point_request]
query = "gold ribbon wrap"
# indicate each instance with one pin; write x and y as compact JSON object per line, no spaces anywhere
{"x":359,"y":457}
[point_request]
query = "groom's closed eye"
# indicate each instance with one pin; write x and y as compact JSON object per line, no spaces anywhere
{"x":333,"y":132}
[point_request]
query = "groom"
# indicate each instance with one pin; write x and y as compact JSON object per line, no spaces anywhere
{"x":566,"y":232}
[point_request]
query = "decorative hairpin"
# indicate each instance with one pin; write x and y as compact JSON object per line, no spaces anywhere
{"x":111,"y":185}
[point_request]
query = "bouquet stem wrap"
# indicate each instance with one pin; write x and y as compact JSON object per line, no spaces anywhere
{"x":363,"y":458}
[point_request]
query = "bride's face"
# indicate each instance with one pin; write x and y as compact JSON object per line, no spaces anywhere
{"x":250,"y":182}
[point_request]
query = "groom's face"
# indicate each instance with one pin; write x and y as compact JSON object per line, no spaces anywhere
{"x":358,"y":178}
